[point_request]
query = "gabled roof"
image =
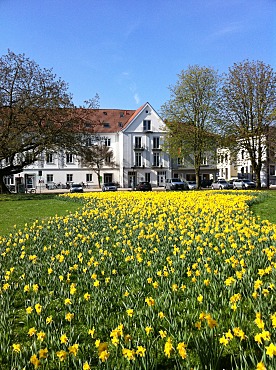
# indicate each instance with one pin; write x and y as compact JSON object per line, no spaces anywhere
{"x":137,"y":112}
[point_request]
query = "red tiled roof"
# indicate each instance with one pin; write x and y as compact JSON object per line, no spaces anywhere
{"x":105,"y":120}
{"x":135,"y":113}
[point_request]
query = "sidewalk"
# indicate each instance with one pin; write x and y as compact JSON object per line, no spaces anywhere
{"x":85,"y":190}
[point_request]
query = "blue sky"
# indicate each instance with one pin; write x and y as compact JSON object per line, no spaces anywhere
{"x":130,"y":51}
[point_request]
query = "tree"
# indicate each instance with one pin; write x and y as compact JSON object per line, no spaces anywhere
{"x":35,"y":114}
{"x":96,"y":156}
{"x":248,"y":102}
{"x":190,"y":115}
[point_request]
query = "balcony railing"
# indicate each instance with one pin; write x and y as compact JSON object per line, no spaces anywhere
{"x":139,"y":147}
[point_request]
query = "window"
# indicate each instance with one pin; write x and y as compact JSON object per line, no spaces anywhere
{"x":146,"y":125}
{"x":107,"y":142}
{"x":106,"y":124}
{"x":120,"y":124}
{"x":69,"y":158}
{"x":156,"y":142}
{"x":69,"y":177}
{"x":50,"y":178}
{"x":49,"y":157}
{"x":88,"y":177}
{"x":29,"y":157}
{"x":138,"y":159}
{"x":137,"y":142}
{"x":205,"y":162}
{"x":156,"y":159}
{"x":179,"y":161}
{"x":108,"y":159}
{"x":147,"y":176}
{"x":89,"y":141}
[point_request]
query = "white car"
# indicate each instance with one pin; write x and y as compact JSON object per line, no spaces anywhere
{"x":109,"y":186}
{"x":176,"y":184}
{"x":243,"y":184}
{"x":191,"y":185}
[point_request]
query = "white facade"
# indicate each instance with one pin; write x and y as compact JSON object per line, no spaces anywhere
{"x":241,"y":166}
{"x":135,"y":138}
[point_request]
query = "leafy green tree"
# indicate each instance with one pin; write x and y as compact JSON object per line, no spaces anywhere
{"x":35,"y":114}
{"x":248,"y":105}
{"x":190,"y":115}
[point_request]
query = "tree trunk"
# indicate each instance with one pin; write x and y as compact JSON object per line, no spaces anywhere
{"x":197,"y":170}
{"x":99,"y":179}
{"x":3,"y":187}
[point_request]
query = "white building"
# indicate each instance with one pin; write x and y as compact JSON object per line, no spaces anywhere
{"x":240,"y":166}
{"x":135,"y":138}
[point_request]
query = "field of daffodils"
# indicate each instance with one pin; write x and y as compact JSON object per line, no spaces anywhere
{"x":160,"y":280}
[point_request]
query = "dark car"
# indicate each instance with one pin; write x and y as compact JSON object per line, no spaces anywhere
{"x":144,"y":186}
{"x":76,"y":188}
{"x":109,"y":186}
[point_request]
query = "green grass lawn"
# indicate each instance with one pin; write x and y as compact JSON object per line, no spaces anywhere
{"x":26,"y":208}
{"x":21,"y":209}
{"x":266,"y":207}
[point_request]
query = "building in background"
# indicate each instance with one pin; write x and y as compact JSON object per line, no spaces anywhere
{"x":135,"y":138}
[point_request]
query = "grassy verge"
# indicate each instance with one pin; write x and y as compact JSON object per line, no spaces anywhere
{"x":26,"y":208}
{"x":265,"y":206}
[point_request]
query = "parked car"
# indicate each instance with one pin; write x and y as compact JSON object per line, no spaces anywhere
{"x":220,"y":185}
{"x":206,"y":183}
{"x":191,"y":185}
{"x":230,"y":182}
{"x":109,"y":186}
{"x":243,"y":184}
{"x":176,"y":184}
{"x":76,"y":188}
{"x":144,"y":186}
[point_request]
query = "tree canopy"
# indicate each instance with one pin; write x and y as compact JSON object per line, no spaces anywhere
{"x":35,"y":113}
{"x":190,"y":114}
{"x":248,"y":107}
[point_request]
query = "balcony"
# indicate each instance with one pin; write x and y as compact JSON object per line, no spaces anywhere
{"x":155,"y":149}
{"x":138,"y":148}
{"x":155,"y":165}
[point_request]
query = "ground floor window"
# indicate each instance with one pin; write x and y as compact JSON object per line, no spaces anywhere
{"x":107,"y":177}
{"x":89,"y":177}
{"x":69,"y":177}
{"x":50,"y":178}
{"x":147,"y":176}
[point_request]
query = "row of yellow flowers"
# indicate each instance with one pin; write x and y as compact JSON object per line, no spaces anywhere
{"x":141,"y":281}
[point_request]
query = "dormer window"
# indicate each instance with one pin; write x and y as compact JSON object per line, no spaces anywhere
{"x":106,"y":124}
{"x":147,"y":125}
